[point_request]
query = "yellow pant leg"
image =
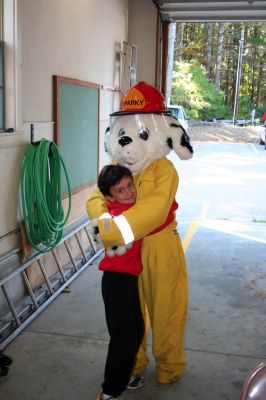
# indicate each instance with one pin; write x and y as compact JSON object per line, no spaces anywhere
{"x":164,"y":288}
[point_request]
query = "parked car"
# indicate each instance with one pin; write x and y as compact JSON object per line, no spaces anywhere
{"x":179,"y":113}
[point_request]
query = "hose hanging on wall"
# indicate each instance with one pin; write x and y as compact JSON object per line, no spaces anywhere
{"x":41,"y":195}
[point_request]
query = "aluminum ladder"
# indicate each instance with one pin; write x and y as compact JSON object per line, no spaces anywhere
{"x":34,"y":301}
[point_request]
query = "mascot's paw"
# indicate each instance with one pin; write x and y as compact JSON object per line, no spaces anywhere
{"x":120,"y":250}
{"x":95,"y":234}
{"x":116,"y":251}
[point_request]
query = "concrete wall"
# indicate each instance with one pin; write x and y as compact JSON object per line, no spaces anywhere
{"x":71,"y":38}
{"x":80,"y":39}
{"x":77,"y":39}
{"x":142,"y":33}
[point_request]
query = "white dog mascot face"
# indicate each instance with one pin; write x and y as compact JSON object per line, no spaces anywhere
{"x":144,"y":131}
{"x":136,"y":140}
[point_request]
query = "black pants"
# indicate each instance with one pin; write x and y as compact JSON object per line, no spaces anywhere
{"x":125,"y":326}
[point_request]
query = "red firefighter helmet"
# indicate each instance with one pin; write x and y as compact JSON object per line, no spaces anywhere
{"x":140,"y":99}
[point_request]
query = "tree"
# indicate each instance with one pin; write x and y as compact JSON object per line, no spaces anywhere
{"x":219,"y":56}
{"x":192,"y":89}
{"x":179,"y":42}
{"x":216,"y":47}
{"x":209,"y":49}
{"x":171,"y":44}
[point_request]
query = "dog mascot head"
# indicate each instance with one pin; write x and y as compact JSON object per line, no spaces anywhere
{"x":144,"y":131}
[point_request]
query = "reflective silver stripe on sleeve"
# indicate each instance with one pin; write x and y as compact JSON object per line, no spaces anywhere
{"x":124,"y":228}
{"x":105,"y":215}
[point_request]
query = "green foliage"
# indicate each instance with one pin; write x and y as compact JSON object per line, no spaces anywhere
{"x":198,"y":49}
{"x":192,"y":90}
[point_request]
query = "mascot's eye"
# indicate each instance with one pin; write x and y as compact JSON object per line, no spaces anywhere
{"x":144,"y":134}
{"x":121,"y":132}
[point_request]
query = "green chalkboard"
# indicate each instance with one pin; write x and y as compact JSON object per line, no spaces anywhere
{"x":77,"y":129}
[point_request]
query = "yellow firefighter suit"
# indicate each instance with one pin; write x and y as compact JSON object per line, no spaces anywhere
{"x":163,"y":281}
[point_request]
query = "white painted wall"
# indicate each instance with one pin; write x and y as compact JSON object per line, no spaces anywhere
{"x":142,"y":33}
{"x":81,"y":39}
{"x":71,"y":38}
{"x":78,"y":39}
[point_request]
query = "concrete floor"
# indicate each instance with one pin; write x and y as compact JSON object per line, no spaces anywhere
{"x":222,"y":195}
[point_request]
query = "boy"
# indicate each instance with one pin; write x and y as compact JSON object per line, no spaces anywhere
{"x":120,"y":288}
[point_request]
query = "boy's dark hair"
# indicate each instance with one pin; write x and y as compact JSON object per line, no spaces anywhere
{"x":111,"y":175}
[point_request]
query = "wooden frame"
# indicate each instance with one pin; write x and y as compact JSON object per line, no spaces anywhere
{"x":56,"y":109}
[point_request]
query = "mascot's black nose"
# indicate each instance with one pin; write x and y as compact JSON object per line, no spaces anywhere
{"x":124,"y":140}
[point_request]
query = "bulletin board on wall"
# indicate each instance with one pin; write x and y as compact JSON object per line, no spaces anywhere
{"x":76,"y":115}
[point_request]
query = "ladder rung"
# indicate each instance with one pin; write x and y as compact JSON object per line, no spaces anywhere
{"x":71,"y":255}
{"x":81,"y":247}
{"x":27,"y":282}
{"x":11,"y":305}
{"x":45,"y":276}
{"x":90,"y":239}
{"x":60,"y":268}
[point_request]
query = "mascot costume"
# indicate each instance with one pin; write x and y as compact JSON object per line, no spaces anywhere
{"x":140,"y":135}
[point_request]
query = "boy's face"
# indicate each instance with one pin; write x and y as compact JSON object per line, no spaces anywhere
{"x":123,"y":192}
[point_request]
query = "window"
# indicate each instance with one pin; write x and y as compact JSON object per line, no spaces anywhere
{"x":2,"y":89}
{"x":1,"y":19}
{"x":2,"y":97}
{"x":11,"y":37}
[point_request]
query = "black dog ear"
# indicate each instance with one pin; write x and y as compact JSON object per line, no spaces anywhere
{"x":185,"y":141}
{"x":107,"y":130}
{"x":178,"y":140}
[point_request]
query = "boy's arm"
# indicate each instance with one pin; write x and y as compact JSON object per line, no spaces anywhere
{"x":147,"y":214}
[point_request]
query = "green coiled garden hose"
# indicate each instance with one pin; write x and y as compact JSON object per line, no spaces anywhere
{"x":41,"y":195}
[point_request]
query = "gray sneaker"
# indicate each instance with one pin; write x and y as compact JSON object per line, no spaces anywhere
{"x":135,"y":382}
